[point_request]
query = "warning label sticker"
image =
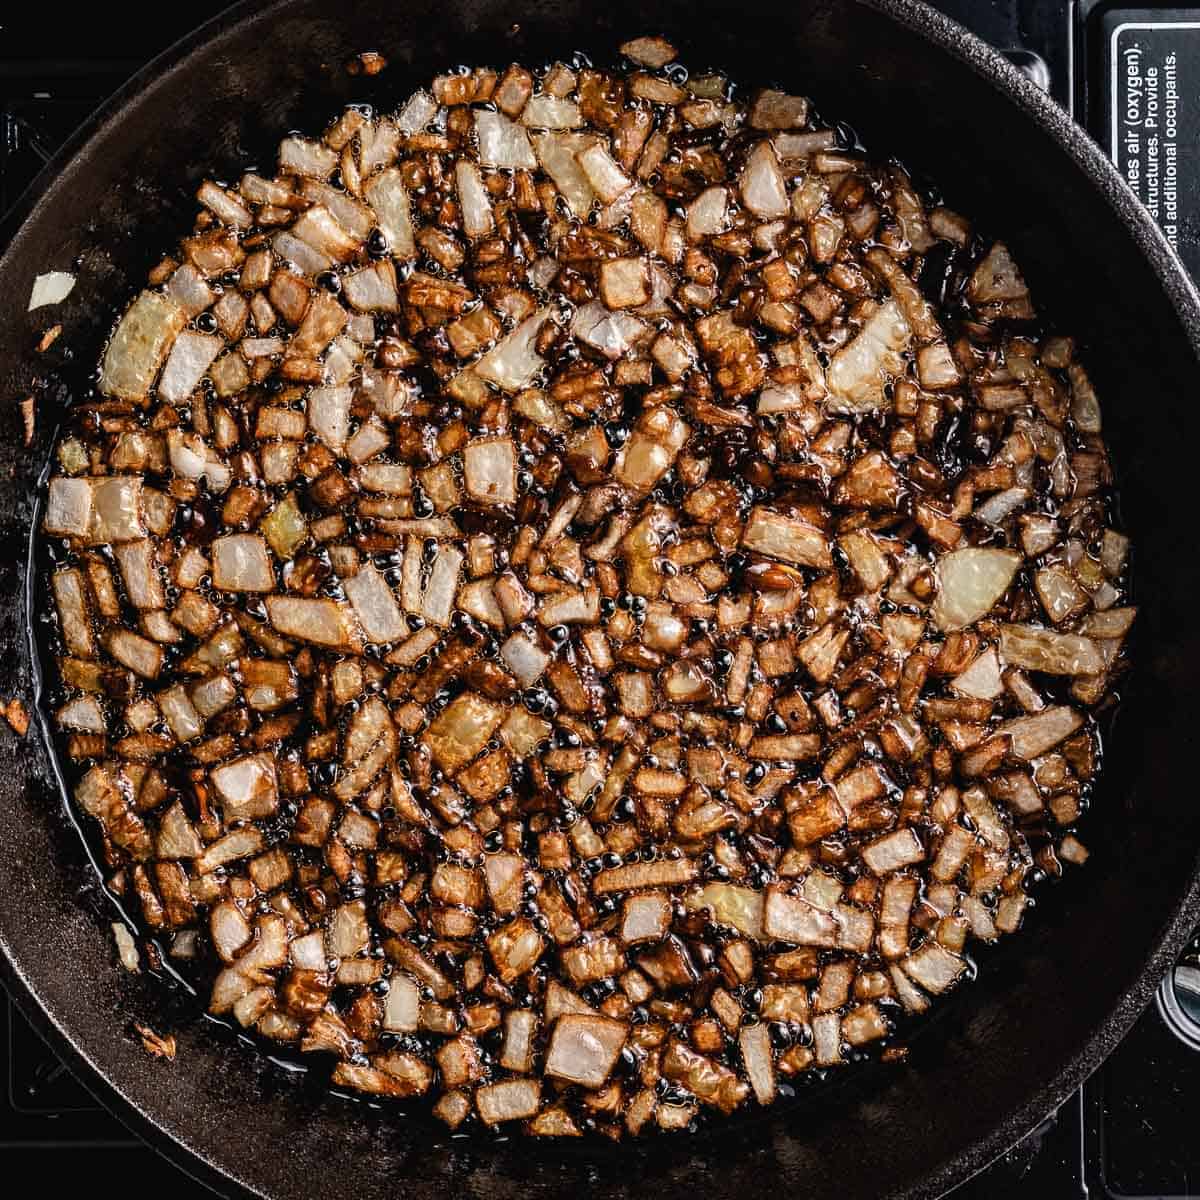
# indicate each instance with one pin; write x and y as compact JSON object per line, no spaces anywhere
{"x":1154,"y":121}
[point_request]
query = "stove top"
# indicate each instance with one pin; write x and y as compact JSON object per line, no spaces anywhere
{"x":1131,"y":74}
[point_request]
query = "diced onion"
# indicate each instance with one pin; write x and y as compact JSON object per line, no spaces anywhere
{"x":763,"y":190}
{"x":860,"y":369}
{"x":513,"y":363}
{"x":476,"y":206}
{"x":328,"y":411}
{"x":558,"y":154}
{"x":242,"y":563}
{"x":417,"y":112}
{"x":321,"y":621}
{"x":127,"y":951}
{"x":69,"y":507}
{"x":190,"y":357}
{"x":490,"y":470}
{"x":375,"y":606}
{"x":969,"y":582}
{"x":614,"y":334}
{"x":502,"y":143}
{"x":584,"y":1048}
{"x":656,"y":596}
{"x":387,"y":195}
{"x":549,"y":112}
{"x":51,"y":288}
{"x":140,"y":344}
{"x":708,"y":213}
{"x":303,"y":156}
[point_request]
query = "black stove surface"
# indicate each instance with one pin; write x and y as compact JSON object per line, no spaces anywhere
{"x":1132,"y":74}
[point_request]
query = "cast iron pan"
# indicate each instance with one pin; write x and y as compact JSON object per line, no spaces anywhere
{"x":1041,"y":1016}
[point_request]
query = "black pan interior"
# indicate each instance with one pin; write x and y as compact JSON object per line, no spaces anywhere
{"x":1039,"y":1018}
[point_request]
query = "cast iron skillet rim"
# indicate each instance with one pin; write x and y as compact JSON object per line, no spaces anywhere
{"x":955,"y":40}
{"x":90,"y":1075}
{"x":12,"y":222}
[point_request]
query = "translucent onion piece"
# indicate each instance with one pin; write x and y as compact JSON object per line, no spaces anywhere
{"x":387,"y":195}
{"x":513,"y":363}
{"x":763,"y":190}
{"x":969,"y":582}
{"x":51,"y":288}
{"x":860,"y":369}
{"x":375,"y":606}
{"x":139,"y":346}
{"x":502,"y":143}
{"x":190,"y":357}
